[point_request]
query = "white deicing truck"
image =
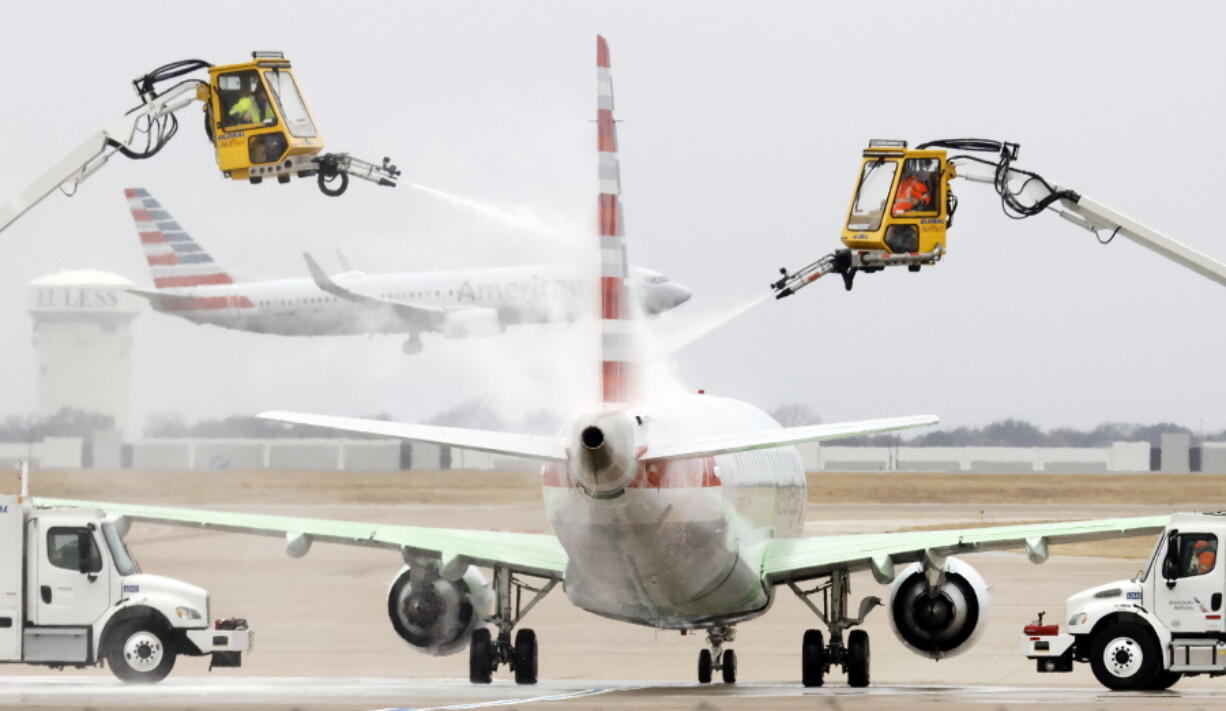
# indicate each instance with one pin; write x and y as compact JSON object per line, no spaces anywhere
{"x":1150,"y":631}
{"x":71,"y":595}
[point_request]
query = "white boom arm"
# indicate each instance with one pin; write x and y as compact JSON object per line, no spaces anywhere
{"x":1098,"y":218}
{"x":96,"y":150}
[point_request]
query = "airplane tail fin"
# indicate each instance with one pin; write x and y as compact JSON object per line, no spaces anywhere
{"x":175,"y":259}
{"x":619,"y":369}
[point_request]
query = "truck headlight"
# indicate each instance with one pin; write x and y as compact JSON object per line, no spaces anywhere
{"x":1077,"y":619}
{"x":187,"y":613}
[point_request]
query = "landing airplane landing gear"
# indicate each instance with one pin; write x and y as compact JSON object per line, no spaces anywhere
{"x":412,"y":346}
{"x":817,"y":658}
{"x":716,"y":658}
{"x":486,"y":654}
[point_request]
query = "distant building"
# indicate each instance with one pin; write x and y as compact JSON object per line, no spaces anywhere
{"x":83,"y":335}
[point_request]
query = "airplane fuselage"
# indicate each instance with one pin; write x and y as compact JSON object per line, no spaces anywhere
{"x":679,"y":546}
{"x":297,"y":306}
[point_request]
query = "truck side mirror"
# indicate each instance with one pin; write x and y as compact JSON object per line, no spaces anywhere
{"x":1170,"y":563}
{"x":1170,"y":570}
{"x":85,"y":546}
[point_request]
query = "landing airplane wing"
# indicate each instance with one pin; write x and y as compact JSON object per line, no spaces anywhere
{"x":532,"y":553}
{"x":427,"y":318}
{"x":766,"y":439}
{"x":518,"y":445}
{"x":787,"y":559}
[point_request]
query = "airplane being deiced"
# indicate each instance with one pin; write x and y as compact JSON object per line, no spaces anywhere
{"x":669,"y":510}
{"x":190,"y":284}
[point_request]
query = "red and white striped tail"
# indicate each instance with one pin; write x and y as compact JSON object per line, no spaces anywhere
{"x":174,"y":258}
{"x":618,"y":369}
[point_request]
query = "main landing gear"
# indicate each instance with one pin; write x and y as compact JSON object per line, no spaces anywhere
{"x":716,"y":658}
{"x":485,"y":653}
{"x":413,"y":345}
{"x":817,"y":657}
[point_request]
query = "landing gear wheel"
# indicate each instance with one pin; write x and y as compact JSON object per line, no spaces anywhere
{"x":813,"y":658}
{"x":481,"y":657}
{"x":857,"y":659}
{"x":704,"y":666}
{"x":524,"y":657}
{"x":412,"y":346}
{"x":1124,"y":657}
{"x":140,"y":652}
{"x":728,"y":668}
{"x":1164,"y":680}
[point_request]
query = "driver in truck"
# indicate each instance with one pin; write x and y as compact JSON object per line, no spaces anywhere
{"x":1204,"y":557}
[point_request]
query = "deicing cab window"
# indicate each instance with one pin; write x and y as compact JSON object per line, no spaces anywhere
{"x":292,"y":108}
{"x":243,"y":101}
{"x":873,"y":191}
{"x":67,"y":547}
{"x":918,"y":189}
{"x":1197,"y":554}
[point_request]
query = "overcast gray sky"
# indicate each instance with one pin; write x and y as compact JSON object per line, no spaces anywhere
{"x":741,"y":129}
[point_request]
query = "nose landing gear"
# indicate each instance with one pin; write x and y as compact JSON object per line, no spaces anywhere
{"x":716,"y":658}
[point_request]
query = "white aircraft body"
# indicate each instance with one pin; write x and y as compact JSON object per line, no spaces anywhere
{"x":671,"y":512}
{"x":190,"y":284}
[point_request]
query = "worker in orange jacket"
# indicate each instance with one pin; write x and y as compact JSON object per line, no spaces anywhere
{"x":913,"y":194}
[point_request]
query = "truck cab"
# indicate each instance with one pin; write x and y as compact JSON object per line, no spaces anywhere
{"x":1149,"y":631}
{"x":72,"y":595}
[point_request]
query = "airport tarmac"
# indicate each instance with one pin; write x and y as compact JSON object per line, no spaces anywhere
{"x":322,"y":639}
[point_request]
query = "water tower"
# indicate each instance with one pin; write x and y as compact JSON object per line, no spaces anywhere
{"x":83,"y":334}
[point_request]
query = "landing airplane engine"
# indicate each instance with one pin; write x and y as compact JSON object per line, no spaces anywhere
{"x":472,"y":322}
{"x":944,"y":622}
{"x":434,"y":615}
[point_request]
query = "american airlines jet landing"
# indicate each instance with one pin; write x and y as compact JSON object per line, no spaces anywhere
{"x":190,"y":284}
{"x":673,"y":511}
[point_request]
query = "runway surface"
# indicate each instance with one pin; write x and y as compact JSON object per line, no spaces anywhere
{"x":381,"y":694}
{"x":323,"y":641}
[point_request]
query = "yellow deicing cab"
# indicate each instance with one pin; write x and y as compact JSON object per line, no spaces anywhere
{"x":901,"y":202}
{"x":258,"y":122}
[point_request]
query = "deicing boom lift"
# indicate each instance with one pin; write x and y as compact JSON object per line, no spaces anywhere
{"x":253,"y":114}
{"x":903,"y":206}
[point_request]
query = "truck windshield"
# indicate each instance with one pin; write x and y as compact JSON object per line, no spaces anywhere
{"x":871,"y":196}
{"x":1144,"y":575}
{"x":290,"y":101}
{"x":124,"y":564}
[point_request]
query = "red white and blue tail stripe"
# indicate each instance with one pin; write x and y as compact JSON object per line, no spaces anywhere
{"x":618,"y":369}
{"x":174,"y":258}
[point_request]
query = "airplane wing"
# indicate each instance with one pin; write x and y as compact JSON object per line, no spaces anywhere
{"x":518,"y":445}
{"x":764,"y":439}
{"x":533,"y":553}
{"x":787,"y":559}
{"x":426,"y":317}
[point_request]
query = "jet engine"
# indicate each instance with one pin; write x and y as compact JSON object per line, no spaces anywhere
{"x":472,"y":322}
{"x":433,"y":614}
{"x":942,"y":622}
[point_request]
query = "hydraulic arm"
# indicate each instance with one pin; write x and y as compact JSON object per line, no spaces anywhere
{"x":254,"y":115}
{"x":903,"y":207}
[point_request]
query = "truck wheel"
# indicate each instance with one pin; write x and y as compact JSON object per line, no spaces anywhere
{"x":1125,"y":657}
{"x":140,"y":651}
{"x":1164,"y":680}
